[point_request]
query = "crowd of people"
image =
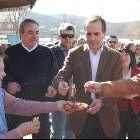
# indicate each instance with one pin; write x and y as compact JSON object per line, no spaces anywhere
{"x":39,"y":79}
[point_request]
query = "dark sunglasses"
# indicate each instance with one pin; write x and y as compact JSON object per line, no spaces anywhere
{"x":114,"y":42}
{"x":67,"y":35}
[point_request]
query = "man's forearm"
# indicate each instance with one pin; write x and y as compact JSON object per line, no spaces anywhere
{"x":121,"y":87}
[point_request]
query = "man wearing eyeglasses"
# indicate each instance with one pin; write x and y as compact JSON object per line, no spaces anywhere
{"x":66,"y":33}
{"x":113,"y":42}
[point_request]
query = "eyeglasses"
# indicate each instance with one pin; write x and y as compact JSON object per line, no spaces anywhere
{"x":114,"y":42}
{"x":67,"y":35}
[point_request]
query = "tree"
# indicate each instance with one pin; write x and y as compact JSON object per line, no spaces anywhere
{"x":14,"y":17}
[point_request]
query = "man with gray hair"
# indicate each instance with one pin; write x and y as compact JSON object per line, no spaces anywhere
{"x":30,"y":68}
{"x":66,"y":33}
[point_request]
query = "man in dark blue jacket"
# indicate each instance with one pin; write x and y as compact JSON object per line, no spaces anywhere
{"x":66,"y":33}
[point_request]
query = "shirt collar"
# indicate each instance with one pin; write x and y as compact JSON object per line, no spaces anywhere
{"x":99,"y":51}
{"x":29,"y":50}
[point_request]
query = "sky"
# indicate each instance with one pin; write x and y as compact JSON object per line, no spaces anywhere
{"x":110,"y":10}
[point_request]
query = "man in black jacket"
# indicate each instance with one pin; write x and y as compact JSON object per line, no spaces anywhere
{"x":30,"y":69}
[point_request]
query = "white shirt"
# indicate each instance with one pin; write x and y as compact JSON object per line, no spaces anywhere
{"x":94,"y":60}
{"x":27,"y":49}
{"x":127,"y":75}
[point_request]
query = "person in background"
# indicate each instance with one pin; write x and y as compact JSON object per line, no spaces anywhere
{"x":88,"y":62}
{"x":129,"y":106}
{"x":132,"y":47}
{"x":11,"y":105}
{"x":137,"y":55}
{"x":113,"y":42}
{"x":29,"y":68}
{"x":81,"y":41}
{"x":3,"y":48}
{"x":66,"y":34}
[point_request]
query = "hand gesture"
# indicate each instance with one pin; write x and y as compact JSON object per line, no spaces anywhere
{"x":95,"y":106}
{"x":13,"y":88}
{"x":27,"y":128}
{"x":70,"y":106}
{"x":63,"y":88}
{"x":92,"y":87}
{"x":51,"y":92}
{"x":65,"y":106}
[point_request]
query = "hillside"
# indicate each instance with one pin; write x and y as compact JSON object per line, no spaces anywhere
{"x":50,"y":23}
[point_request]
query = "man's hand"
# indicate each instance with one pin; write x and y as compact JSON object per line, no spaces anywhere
{"x":95,"y":106}
{"x":63,"y":88}
{"x":51,"y":92}
{"x":65,"y":106}
{"x":92,"y":87}
{"x":13,"y":88}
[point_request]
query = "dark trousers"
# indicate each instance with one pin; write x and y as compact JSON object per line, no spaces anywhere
{"x":44,"y":133}
{"x":129,"y":125}
{"x":92,"y":129}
